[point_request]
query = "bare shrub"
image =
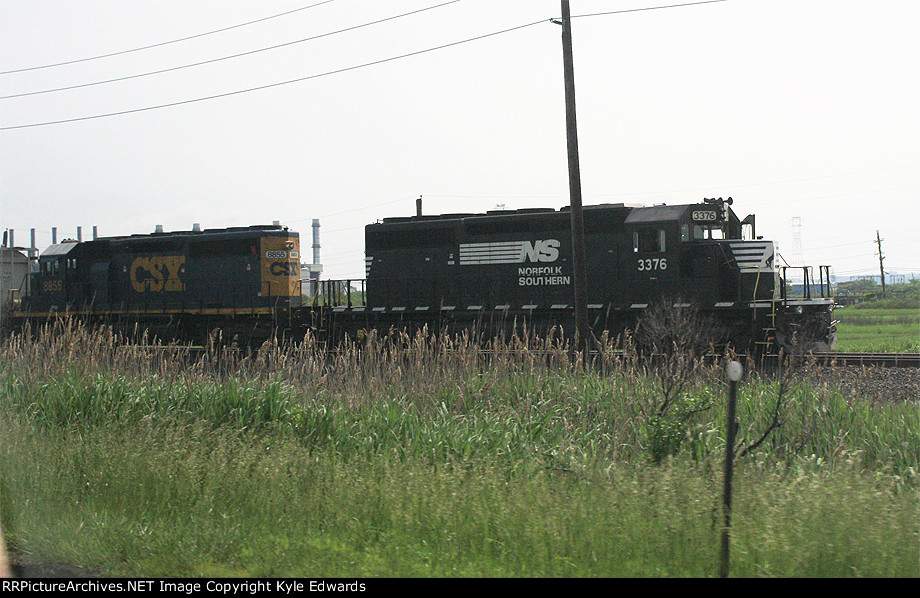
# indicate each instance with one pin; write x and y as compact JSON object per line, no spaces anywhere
{"x":674,"y":338}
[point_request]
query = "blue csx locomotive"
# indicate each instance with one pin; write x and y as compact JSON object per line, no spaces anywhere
{"x":184,"y":284}
{"x":451,"y":272}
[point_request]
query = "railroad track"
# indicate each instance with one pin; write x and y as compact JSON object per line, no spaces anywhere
{"x":895,"y":360}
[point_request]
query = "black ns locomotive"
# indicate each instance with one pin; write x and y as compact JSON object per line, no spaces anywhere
{"x":461,"y":268}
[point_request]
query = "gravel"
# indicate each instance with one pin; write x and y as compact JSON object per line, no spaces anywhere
{"x":875,"y":384}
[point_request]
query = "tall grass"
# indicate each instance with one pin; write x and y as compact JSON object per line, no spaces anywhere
{"x":427,"y":456}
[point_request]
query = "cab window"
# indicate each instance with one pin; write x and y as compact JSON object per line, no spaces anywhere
{"x":708,"y":231}
{"x":51,"y":267}
{"x":649,"y":240}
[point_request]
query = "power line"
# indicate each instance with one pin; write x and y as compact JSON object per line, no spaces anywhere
{"x":765,"y":183}
{"x":185,"y":66}
{"x":617,"y":12}
{"x":840,"y":245}
{"x":333,"y":72}
{"x":732,"y":186}
{"x":181,"y":39}
{"x":361,"y":209}
{"x":278,"y":84}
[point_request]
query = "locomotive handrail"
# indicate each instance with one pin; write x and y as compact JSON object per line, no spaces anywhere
{"x":12,"y":299}
{"x":754,"y":298}
{"x":825,"y":275}
{"x":337,"y":292}
{"x":823,"y":290}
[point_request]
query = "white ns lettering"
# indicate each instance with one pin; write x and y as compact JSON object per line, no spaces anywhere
{"x":541,"y":251}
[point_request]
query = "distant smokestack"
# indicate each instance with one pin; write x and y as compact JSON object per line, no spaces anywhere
{"x":418,"y":206}
{"x":79,"y":233}
{"x":158,"y":229}
{"x":95,"y":232}
{"x":32,"y":243}
{"x":196,"y":228}
{"x":54,"y":235}
{"x":11,"y":240}
{"x":315,"y":241}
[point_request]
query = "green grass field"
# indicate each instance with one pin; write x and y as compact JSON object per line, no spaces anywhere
{"x":420,"y":459}
{"x":878,"y":330}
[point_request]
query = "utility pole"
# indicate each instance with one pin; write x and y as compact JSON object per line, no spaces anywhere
{"x":578,"y":224}
{"x":881,"y":258}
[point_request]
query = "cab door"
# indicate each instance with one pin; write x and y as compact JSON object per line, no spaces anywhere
{"x":651,"y":263}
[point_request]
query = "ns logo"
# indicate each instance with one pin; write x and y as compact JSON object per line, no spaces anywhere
{"x":540,"y":251}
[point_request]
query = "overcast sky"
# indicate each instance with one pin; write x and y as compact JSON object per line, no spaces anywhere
{"x":803,"y":109}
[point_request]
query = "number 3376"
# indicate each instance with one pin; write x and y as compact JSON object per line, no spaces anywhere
{"x":653,"y":264}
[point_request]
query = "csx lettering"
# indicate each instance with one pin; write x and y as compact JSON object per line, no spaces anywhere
{"x":284,"y":269}
{"x":157,"y":274}
{"x":540,"y":251}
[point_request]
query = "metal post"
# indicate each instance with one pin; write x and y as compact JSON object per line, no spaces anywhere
{"x":577,"y":218}
{"x":733,"y":370}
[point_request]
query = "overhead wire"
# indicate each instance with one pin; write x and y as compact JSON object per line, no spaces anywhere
{"x":159,"y":44}
{"x":625,"y":10}
{"x":222,"y":58}
{"x":733,"y":186}
{"x":277,"y":84}
{"x":327,"y":73}
{"x":367,"y":207}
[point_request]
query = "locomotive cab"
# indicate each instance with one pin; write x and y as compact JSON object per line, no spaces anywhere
{"x":716,"y":255}
{"x":52,"y":286}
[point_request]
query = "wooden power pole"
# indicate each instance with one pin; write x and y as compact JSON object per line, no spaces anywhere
{"x":881,"y":258}
{"x":578,"y":224}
